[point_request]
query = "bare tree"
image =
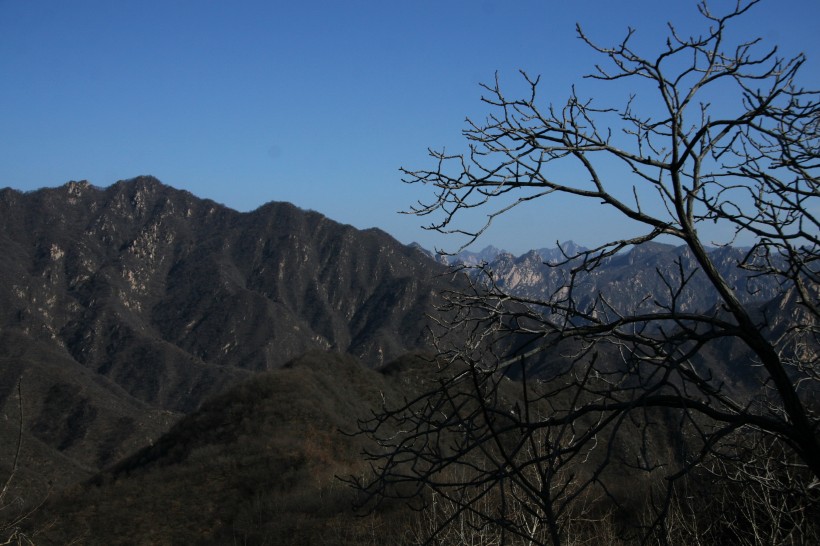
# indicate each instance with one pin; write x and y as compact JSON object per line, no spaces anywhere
{"x":14,"y":511}
{"x":630,"y":406}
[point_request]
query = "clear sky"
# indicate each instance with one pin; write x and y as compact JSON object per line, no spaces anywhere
{"x":314,"y":102}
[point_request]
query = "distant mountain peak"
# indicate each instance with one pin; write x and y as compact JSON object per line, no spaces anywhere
{"x":77,"y":187}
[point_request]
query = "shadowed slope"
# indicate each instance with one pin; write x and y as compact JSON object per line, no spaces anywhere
{"x":256,"y":464}
{"x":122,"y":308}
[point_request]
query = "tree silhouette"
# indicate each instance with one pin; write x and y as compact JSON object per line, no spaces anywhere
{"x":635,"y":409}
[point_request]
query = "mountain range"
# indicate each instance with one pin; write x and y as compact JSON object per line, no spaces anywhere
{"x":122,"y":308}
{"x":632,"y":276}
{"x":148,"y":336}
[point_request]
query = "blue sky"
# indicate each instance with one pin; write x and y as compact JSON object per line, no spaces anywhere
{"x":314,"y":102}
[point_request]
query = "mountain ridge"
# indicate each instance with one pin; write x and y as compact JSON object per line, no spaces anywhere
{"x":123,"y":308}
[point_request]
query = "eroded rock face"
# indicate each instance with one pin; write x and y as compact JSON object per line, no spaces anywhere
{"x":627,"y":279}
{"x":142,"y":268}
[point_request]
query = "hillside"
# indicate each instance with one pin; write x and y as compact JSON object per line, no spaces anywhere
{"x":122,"y":308}
{"x":255,"y":465}
{"x":262,"y":464}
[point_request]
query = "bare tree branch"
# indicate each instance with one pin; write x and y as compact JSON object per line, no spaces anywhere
{"x":594,"y":373}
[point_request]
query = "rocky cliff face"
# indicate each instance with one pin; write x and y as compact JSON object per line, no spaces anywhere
{"x":627,"y":279}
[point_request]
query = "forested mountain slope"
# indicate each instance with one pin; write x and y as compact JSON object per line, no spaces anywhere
{"x":124,"y":307}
